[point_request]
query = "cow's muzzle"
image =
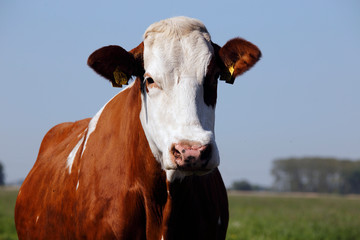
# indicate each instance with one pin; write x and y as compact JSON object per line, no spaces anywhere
{"x":191,"y":156}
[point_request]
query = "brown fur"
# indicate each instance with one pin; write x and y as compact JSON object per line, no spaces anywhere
{"x":239,"y":54}
{"x":122,"y":190}
{"x":138,"y":54}
{"x":107,"y":59}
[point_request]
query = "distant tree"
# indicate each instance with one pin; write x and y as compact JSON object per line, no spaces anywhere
{"x":352,"y":181}
{"x":242,"y":185}
{"x":315,"y":174}
{"x":2,"y":175}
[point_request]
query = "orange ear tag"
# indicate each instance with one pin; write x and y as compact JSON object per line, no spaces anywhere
{"x":120,"y":78}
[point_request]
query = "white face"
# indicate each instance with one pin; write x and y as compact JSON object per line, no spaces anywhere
{"x":178,"y":124}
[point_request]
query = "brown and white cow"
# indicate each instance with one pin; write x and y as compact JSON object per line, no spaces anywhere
{"x":145,"y":166}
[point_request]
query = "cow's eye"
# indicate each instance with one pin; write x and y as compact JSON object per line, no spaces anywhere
{"x":149,"y":80}
{"x":150,"y":83}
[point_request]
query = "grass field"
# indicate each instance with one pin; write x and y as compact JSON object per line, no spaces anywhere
{"x":292,"y":218}
{"x":261,"y":217}
{"x":7,"y":204}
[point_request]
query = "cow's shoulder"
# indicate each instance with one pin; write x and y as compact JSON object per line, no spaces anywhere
{"x":63,"y":134}
{"x":45,"y":195}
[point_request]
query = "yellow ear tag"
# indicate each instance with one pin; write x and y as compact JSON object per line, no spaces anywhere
{"x":227,"y":75}
{"x":231,"y":70}
{"x":120,"y":78}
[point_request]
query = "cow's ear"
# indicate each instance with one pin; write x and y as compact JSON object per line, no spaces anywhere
{"x":116,"y":64}
{"x":238,"y":56}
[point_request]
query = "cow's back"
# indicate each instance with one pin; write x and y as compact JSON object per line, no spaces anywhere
{"x":45,"y":191}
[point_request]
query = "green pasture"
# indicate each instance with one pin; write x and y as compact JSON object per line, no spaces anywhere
{"x":261,"y":217}
{"x":7,"y":204}
{"x":293,"y":217}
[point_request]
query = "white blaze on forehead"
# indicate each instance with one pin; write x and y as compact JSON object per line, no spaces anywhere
{"x":175,"y":48}
{"x":177,"y":27}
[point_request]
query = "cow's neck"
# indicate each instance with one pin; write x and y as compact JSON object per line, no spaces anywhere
{"x":166,"y":204}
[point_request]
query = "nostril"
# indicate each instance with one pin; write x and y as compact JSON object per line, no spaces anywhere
{"x":206,"y":153}
{"x":175,"y":152}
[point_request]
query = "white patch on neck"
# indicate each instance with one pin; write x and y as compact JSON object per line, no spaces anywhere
{"x":92,"y":127}
{"x":71,"y":157}
{"x":95,"y":119}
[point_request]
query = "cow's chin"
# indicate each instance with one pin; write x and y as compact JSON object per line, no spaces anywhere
{"x":175,"y":172}
{"x":178,"y":174}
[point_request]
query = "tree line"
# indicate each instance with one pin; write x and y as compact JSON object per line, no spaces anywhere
{"x":244,"y":185}
{"x":315,"y":174}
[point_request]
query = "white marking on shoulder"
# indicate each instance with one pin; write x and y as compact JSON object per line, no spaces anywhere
{"x":94,"y":120}
{"x":77,"y":185}
{"x":71,"y":157}
{"x":92,"y":126}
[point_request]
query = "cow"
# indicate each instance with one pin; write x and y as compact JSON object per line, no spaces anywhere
{"x":146,"y":165}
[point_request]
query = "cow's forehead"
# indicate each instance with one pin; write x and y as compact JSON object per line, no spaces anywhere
{"x":178,"y":26}
{"x":180,"y":47}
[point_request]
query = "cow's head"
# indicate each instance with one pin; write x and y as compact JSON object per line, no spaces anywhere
{"x":179,"y":67}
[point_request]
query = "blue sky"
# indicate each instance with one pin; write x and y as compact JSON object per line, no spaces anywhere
{"x":301,"y":99}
